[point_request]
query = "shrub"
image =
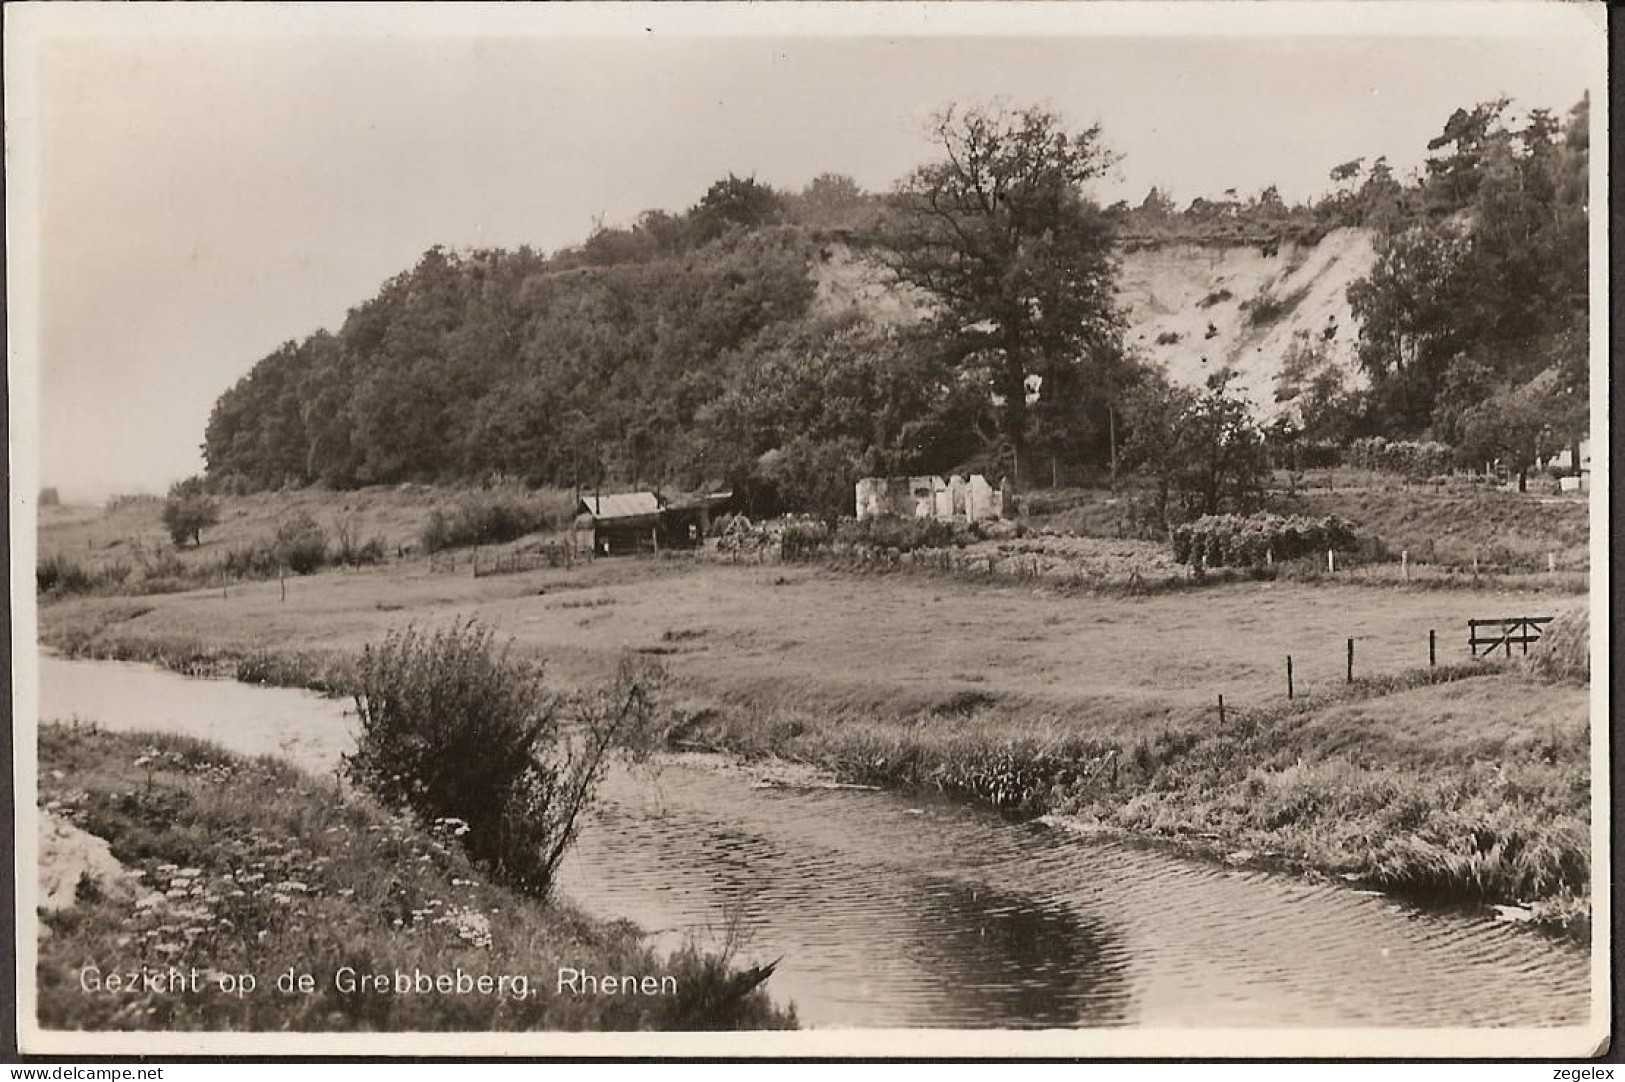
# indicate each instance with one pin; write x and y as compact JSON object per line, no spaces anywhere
{"x":1267,"y":309}
{"x":453,"y":729}
{"x":1413,"y":458}
{"x":1252,"y":540}
{"x":252,"y":560}
{"x":904,"y":534}
{"x":50,"y":497}
{"x":301,"y":544}
{"x":483,"y":520}
{"x":349,"y":549}
{"x":1168,"y":338}
{"x":802,"y":540}
{"x":58,"y":574}
{"x":1218,"y":296}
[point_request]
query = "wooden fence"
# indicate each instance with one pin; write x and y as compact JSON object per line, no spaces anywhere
{"x":512,"y":563}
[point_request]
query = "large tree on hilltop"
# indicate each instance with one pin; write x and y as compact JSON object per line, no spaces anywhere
{"x":1017,"y":260}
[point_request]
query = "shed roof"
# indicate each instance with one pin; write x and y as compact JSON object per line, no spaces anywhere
{"x":706,"y":500}
{"x":621,"y":505}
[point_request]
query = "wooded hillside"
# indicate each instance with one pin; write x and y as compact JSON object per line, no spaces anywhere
{"x":695,"y":348}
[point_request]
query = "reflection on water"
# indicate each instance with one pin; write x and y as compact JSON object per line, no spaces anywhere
{"x":891,"y":911}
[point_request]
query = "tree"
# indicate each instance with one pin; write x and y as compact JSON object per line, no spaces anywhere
{"x":189,"y":511}
{"x":831,"y":201}
{"x":1511,"y":427}
{"x":1202,"y":447}
{"x":1314,"y":384}
{"x":1017,"y":261}
{"x":736,"y":201}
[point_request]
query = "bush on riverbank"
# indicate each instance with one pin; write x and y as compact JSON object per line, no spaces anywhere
{"x":454,"y":729}
{"x":249,"y":866}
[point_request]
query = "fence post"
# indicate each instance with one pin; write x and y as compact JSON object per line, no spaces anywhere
{"x":1405,"y":563}
{"x":1551,"y":563}
{"x":1433,"y":653}
{"x":1350,"y":678}
{"x":1289,"y":676}
{"x":1221,"y":710}
{"x":1331,"y":562}
{"x":282,"y":581}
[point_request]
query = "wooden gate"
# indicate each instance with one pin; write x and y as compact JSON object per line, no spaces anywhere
{"x":1484,"y":637}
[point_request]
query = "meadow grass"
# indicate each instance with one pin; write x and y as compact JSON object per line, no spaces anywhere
{"x":250,"y":866}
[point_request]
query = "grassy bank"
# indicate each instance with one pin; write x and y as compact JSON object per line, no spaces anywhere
{"x":240,"y":866}
{"x":1455,"y":784}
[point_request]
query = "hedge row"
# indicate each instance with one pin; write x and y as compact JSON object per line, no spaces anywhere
{"x":1253,"y":540}
{"x":1413,"y":457}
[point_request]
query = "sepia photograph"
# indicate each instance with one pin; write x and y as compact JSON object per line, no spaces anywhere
{"x":901,"y":530}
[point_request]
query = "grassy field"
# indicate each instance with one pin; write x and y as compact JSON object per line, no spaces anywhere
{"x":1469,"y":780}
{"x":235,"y":866}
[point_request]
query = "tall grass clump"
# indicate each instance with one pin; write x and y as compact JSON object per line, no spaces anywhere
{"x":58,"y":575}
{"x":455,"y":729}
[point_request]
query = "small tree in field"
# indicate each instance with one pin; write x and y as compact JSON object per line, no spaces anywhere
{"x":454,"y":728}
{"x":189,"y":511}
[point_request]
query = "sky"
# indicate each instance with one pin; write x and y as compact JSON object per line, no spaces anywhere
{"x":206,"y":193}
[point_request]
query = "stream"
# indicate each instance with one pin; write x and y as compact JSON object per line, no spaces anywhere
{"x":898,"y":910}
